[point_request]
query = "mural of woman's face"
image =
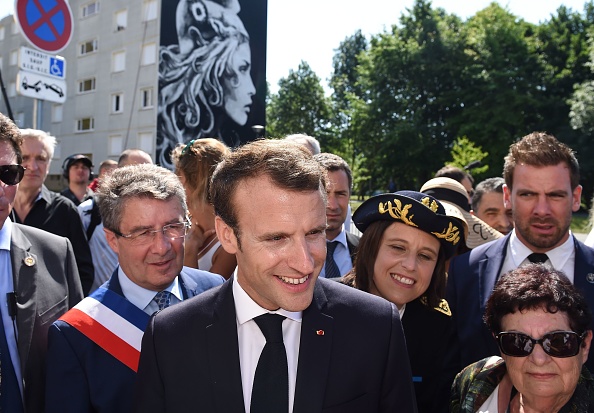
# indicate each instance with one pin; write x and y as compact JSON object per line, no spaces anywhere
{"x":239,"y":91}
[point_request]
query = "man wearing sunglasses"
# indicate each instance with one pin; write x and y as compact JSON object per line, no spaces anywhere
{"x":542,"y":190}
{"x":94,"y":349}
{"x":38,"y":283}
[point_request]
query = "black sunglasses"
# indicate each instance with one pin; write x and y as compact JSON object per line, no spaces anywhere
{"x":11,"y":174}
{"x":556,"y":344}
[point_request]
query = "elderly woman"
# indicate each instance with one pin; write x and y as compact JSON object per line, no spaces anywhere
{"x":407,"y":238}
{"x":205,"y":80}
{"x":194,"y":164}
{"x":541,"y":324}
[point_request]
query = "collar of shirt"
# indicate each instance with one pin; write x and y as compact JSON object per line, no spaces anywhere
{"x":341,"y":237}
{"x":557,"y":256}
{"x":140,"y":296}
{"x":247,"y":309}
{"x":5,"y":235}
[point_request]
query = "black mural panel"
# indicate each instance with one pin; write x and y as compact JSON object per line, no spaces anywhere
{"x":212,"y":72}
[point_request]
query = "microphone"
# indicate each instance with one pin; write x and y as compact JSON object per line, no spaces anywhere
{"x":472,"y":165}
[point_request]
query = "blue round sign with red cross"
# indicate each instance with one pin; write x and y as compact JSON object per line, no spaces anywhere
{"x":46,"y":24}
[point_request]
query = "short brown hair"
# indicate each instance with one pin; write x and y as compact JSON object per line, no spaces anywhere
{"x":288,"y":165}
{"x":197,"y":160}
{"x":540,"y":149}
{"x":12,"y":135}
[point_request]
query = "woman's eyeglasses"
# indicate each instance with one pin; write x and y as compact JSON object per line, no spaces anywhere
{"x":556,"y":344}
{"x":11,"y":174}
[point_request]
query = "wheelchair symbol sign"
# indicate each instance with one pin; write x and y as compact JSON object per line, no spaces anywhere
{"x":56,"y":67}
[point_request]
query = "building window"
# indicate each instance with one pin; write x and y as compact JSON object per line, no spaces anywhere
{"x":117,"y":103}
{"x":146,"y":98}
{"x":149,"y":10}
{"x":57,"y":111}
{"x":86,"y":85}
{"x":90,"y":8}
{"x":120,"y":20}
{"x":14,"y":58}
{"x":1,"y":32}
{"x":88,"y":47}
{"x":19,"y":119}
{"x":149,"y":54}
{"x":115,"y":145}
{"x":118,"y":61}
{"x":146,"y":141}
{"x":12,"y":89}
{"x":85,"y":124}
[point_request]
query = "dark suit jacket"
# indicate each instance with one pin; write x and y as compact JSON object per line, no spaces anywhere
{"x":45,"y":291}
{"x":472,"y":277}
{"x":82,"y":377}
{"x":190,"y":356}
{"x":353,"y":244}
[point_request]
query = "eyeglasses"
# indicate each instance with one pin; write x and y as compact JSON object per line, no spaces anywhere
{"x":146,"y":236}
{"x":11,"y":174}
{"x":556,"y":344}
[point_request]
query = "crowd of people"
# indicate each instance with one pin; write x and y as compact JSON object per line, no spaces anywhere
{"x":242,"y":282}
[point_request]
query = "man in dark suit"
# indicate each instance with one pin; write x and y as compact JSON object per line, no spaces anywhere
{"x":339,"y":350}
{"x":94,"y":348}
{"x":542,"y":189}
{"x":341,"y":245}
{"x":39,"y":283}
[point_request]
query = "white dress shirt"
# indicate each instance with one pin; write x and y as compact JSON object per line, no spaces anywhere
{"x":143,"y":298}
{"x":561,"y":258}
{"x":342,"y":256}
{"x":252,"y":341}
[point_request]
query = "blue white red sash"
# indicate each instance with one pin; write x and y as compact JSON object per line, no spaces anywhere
{"x":112,"y":322}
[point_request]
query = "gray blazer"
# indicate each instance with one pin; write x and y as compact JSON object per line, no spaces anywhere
{"x":46,"y":288}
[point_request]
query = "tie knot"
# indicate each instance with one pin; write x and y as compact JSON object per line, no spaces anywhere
{"x":271,"y":326}
{"x":163,"y":299}
{"x":331,"y":246}
{"x":537,"y":257}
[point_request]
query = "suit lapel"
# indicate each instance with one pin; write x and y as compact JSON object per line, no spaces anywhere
{"x":223,"y":353}
{"x":314,"y":355}
{"x":583,"y":277}
{"x":489,"y":269}
{"x":24,"y":277}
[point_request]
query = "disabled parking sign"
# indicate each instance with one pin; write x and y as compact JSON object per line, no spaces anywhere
{"x":46,"y":24}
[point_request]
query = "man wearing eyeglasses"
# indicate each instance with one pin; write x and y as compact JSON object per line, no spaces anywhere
{"x":38,"y":283}
{"x":94,"y":348}
{"x":542,"y":190}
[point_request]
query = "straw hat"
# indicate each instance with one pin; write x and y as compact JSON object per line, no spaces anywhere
{"x":454,"y":198}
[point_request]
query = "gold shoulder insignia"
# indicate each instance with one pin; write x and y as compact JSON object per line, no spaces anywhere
{"x":444,"y":308}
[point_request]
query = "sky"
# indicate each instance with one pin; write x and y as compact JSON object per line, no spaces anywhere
{"x":311,"y":30}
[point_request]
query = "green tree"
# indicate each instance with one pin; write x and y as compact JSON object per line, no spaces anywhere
{"x":409,"y":78}
{"x":300,"y":106}
{"x":464,"y":152}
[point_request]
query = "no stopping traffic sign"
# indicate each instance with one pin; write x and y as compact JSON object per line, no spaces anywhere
{"x":46,"y":24}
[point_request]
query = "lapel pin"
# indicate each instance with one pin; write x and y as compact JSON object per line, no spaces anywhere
{"x":590,"y":278}
{"x":29,"y":261}
{"x":320,"y":332}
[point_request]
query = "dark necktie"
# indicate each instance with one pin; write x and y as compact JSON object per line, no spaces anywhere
{"x":270,"y":393}
{"x":331,"y":268}
{"x":163,"y":299}
{"x":537,"y":258}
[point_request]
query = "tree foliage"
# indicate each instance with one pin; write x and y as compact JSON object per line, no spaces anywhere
{"x":434,"y":86}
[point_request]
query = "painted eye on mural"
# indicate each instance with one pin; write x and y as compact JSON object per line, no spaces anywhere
{"x":198,"y":11}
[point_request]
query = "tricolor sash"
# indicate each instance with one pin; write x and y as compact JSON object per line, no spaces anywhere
{"x":112,"y":322}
